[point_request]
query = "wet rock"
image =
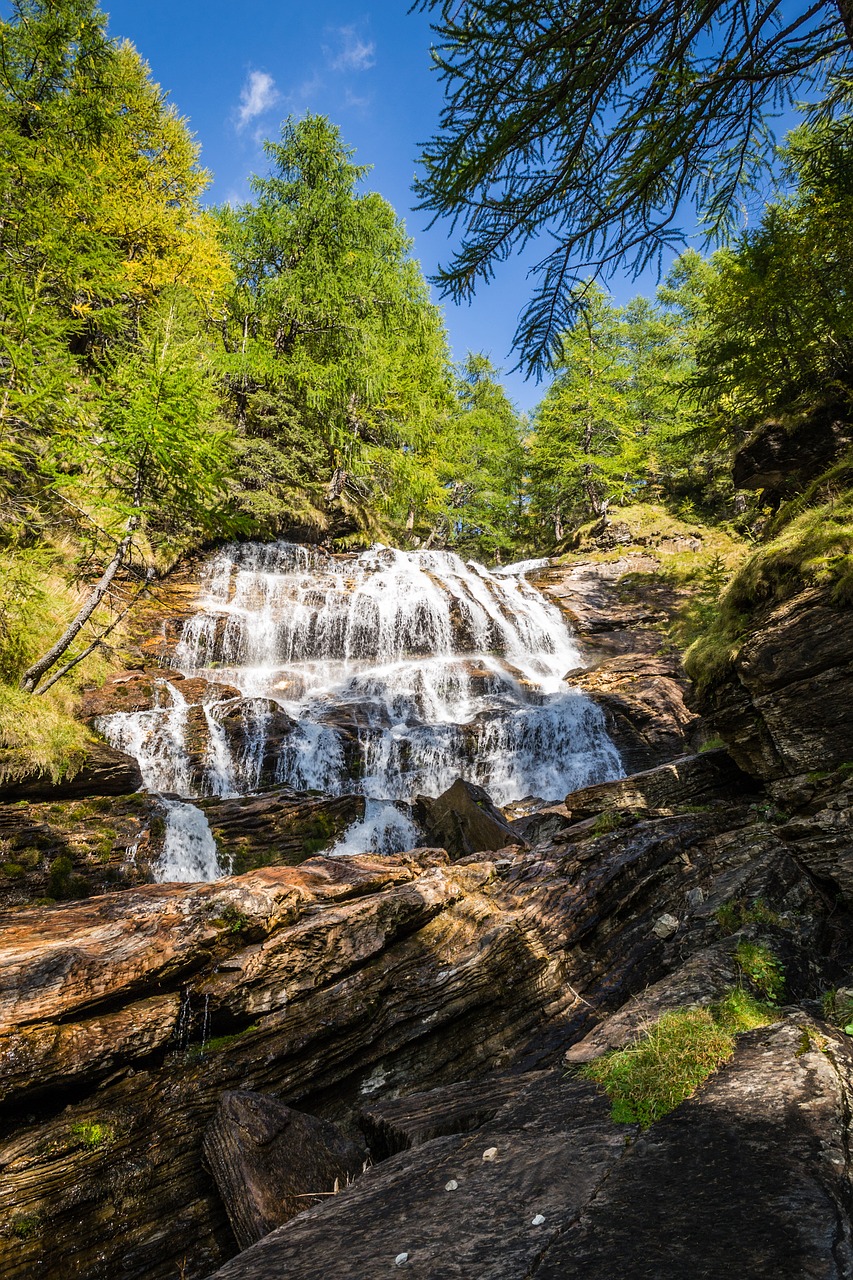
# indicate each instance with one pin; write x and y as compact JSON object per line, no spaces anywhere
{"x":103,"y":772}
{"x":690,"y":781}
{"x":140,"y":690}
{"x":784,"y":707}
{"x":463,"y":820}
{"x":607,"y":620}
{"x":271,"y":1162}
{"x":73,"y":848}
{"x":278,"y":828}
{"x":643,"y":701}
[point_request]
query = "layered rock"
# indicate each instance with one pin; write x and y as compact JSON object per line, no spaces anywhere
{"x":643,"y":698}
{"x":752,"y":1176}
{"x":102,"y":772}
{"x":336,"y":987}
{"x":784,"y":708}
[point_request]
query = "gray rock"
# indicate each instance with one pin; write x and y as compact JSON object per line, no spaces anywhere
{"x":271,"y":1162}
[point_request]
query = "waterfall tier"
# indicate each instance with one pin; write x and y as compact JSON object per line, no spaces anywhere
{"x":389,"y":673}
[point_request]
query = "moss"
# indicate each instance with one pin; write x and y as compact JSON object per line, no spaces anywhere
{"x":25,"y":1225}
{"x":811,"y":545}
{"x":738,"y":913}
{"x":217,"y":1043}
{"x":838,"y":1008}
{"x":608,"y":821}
{"x":12,"y":870}
{"x":93,"y":1135}
{"x":668,"y":1063}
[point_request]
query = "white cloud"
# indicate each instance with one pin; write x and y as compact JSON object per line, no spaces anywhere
{"x":353,"y":53}
{"x":257,"y":96}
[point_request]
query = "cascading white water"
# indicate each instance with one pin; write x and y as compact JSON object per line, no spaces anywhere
{"x":400,"y":672}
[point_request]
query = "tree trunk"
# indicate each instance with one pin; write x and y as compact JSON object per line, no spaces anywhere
{"x":32,"y":676}
{"x":845,"y":8}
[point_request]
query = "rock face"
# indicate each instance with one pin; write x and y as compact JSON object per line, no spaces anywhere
{"x":751,"y":1176}
{"x":642,"y":696}
{"x":271,"y":1162}
{"x":617,"y":609}
{"x":339,"y":986}
{"x":104,"y":772}
{"x":782,"y":459}
{"x":689,"y":781}
{"x":73,"y":848}
{"x":464,"y":821}
{"x":785,"y":707}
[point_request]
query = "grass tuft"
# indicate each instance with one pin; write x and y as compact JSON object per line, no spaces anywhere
{"x":651,"y":1077}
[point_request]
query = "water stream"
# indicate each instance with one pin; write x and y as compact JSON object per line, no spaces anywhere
{"x":388,"y":673}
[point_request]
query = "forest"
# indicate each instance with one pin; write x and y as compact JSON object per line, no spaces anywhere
{"x":176,"y":374}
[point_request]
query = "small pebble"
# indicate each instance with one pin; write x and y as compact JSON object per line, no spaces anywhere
{"x":538,"y":1220}
{"x":490,"y":1153}
{"x":401,"y":1259}
{"x":451,"y":1185}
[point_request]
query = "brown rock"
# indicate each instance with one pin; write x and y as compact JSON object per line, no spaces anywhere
{"x":104,"y":772}
{"x":271,"y":1162}
{"x":785,"y":707}
{"x":463,"y":820}
{"x":643,"y":701}
{"x":684,"y":783}
{"x":278,"y":827}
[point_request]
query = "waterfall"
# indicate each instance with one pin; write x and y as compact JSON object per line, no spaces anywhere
{"x":390,"y":673}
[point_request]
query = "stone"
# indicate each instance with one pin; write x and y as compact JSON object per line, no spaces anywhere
{"x":271,"y":1162}
{"x":463,"y":820}
{"x":102,"y":772}
{"x":690,"y":781}
{"x":555,"y":1145}
{"x":280,"y":827}
{"x":665,"y":926}
{"x":643,"y":699}
{"x":784,"y":707}
{"x":783,"y":458}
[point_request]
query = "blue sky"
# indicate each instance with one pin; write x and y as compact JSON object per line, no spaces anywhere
{"x":236,"y":70}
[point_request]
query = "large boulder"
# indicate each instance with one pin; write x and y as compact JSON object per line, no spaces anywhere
{"x":463,"y":820}
{"x":271,"y":1162}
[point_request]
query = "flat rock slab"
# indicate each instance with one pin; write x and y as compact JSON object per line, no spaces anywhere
{"x":546,"y":1153}
{"x":749,"y":1178}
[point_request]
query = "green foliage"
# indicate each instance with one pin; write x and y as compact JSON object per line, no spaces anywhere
{"x":838,"y":1008}
{"x":738,"y":913}
{"x":92,"y":1134}
{"x":596,"y":135}
{"x":608,"y":821}
{"x":673,"y":1057}
{"x":335,"y":359}
{"x":761,"y":969}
